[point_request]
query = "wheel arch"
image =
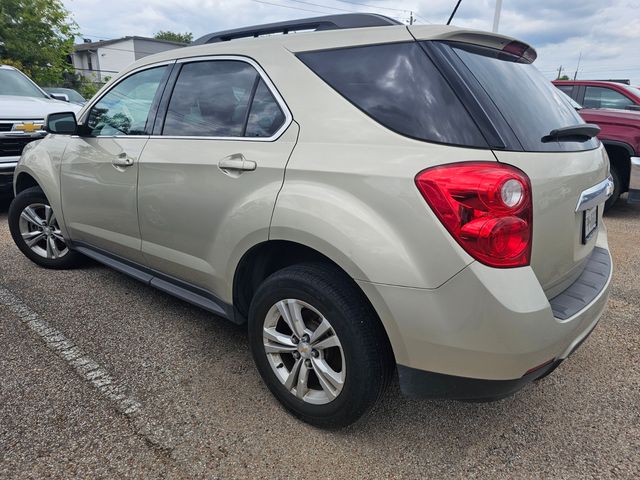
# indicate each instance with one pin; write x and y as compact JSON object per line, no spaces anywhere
{"x":23,"y":181}
{"x":270,"y":256}
{"x":619,"y":157}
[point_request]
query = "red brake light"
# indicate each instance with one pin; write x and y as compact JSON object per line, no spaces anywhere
{"x":486,"y":206}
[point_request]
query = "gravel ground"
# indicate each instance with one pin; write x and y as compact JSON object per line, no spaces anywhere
{"x":202,"y":411}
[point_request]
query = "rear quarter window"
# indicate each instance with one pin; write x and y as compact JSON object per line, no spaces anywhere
{"x":399,"y":87}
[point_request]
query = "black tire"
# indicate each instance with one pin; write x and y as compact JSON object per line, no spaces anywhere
{"x":24,"y":199}
{"x":616,"y":189}
{"x":367,"y":354}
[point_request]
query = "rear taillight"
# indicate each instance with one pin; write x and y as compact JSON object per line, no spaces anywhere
{"x":486,"y":206}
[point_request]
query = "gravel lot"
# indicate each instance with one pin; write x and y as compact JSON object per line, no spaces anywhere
{"x":179,"y":396}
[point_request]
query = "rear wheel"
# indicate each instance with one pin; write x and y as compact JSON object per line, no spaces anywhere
{"x":319,"y":345}
{"x":35,"y":230}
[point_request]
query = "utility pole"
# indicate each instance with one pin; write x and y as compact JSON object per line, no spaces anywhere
{"x":411,"y":19}
{"x":496,"y":16}
{"x":559,"y":73}
{"x":575,"y":75}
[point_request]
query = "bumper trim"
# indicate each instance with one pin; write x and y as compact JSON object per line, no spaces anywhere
{"x":416,"y":383}
{"x":634,"y":181}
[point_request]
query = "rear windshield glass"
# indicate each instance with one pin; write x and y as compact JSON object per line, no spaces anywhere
{"x":530,"y":104}
{"x":398,"y":86}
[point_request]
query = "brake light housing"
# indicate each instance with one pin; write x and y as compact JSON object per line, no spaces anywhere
{"x":486,"y":207}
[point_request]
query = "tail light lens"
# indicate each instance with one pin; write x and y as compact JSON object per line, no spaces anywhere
{"x":486,"y":206}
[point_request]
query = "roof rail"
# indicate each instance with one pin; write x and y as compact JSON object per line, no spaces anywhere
{"x":329,"y":22}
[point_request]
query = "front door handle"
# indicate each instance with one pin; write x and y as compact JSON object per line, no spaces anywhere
{"x":236,"y":163}
{"x":122,"y":160}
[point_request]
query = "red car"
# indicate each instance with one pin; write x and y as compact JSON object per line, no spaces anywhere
{"x":620,"y":135}
{"x":597,"y":94}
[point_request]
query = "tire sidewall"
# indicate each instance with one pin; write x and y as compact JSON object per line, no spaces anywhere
{"x":22,"y":200}
{"x":268,"y":295}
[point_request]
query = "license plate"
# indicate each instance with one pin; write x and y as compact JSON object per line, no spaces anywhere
{"x":589,"y":223}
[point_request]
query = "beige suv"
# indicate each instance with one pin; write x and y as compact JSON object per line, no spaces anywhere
{"x":368,"y":197}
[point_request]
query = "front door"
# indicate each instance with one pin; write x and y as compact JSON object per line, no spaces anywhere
{"x":210,"y":178}
{"x":100,"y":167}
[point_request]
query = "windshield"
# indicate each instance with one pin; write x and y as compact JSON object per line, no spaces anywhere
{"x":13,"y":82}
{"x":529,"y":103}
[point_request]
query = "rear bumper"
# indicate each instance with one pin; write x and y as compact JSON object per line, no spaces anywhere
{"x":7,"y":167}
{"x":486,"y":332}
{"x":634,"y":181}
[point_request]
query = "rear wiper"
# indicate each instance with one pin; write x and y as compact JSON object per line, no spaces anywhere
{"x":574,"y":133}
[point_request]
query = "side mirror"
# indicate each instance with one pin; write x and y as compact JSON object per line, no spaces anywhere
{"x":633,"y":107}
{"x":60,"y":96}
{"x":63,"y":123}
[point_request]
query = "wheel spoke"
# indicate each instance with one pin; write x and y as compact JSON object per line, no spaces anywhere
{"x":302,"y":386}
{"x":48,"y":213}
{"x":292,"y":379}
{"x":58,"y":235}
{"x":32,"y":238}
{"x":276,"y":342}
{"x":319,"y":332}
{"x":330,"y":380}
{"x":291,"y":312}
{"x":52,"y":248}
{"x":328,"y":342}
{"x":30,"y":215}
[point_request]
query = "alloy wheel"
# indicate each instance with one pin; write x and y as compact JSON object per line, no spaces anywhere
{"x":304,"y":351}
{"x":40,"y":231}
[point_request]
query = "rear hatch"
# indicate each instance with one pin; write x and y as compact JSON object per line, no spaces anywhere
{"x":516,"y":108}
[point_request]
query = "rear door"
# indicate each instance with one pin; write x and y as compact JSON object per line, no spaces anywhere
{"x":211,"y":172}
{"x":100,"y":167}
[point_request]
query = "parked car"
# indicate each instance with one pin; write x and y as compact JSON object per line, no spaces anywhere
{"x":365,"y":199}
{"x":599,"y":94}
{"x":23,"y":107}
{"x":70,"y":95}
{"x":620,"y":135}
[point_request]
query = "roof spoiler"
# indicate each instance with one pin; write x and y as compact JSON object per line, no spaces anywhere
{"x":329,"y":22}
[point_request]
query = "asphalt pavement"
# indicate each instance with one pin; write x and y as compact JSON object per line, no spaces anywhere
{"x":104,"y":377}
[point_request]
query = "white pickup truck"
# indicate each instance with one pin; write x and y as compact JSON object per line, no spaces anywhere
{"x":23,"y":108}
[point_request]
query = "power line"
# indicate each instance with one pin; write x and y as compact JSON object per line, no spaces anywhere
{"x":289,"y":6}
{"x":324,"y":6}
{"x":374,"y":6}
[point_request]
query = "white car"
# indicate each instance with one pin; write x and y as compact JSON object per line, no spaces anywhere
{"x":23,"y":107}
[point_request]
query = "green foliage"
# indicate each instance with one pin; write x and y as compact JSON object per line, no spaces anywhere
{"x":38,"y":35}
{"x":186,"y":37}
{"x":563,"y":77}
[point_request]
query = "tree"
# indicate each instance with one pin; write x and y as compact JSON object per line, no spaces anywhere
{"x":563,"y":77}
{"x":186,"y":37}
{"x":39,"y":36}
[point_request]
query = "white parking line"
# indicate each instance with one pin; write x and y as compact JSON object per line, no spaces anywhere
{"x":87,"y":368}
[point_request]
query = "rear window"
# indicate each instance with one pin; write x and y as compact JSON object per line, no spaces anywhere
{"x":530,"y":103}
{"x":398,"y":86}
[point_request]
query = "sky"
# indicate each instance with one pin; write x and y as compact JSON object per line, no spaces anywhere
{"x":602,"y":35}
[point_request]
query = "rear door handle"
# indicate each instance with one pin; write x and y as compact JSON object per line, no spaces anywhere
{"x":236,"y":163}
{"x":122,"y":160}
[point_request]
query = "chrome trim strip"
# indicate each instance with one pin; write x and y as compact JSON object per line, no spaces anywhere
{"x":10,"y":166}
{"x":634,"y":178}
{"x":595,"y":195}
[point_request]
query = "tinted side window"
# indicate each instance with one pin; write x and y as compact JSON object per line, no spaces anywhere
{"x":125,"y":108}
{"x":568,"y":89}
{"x":398,"y":86}
{"x":210,"y":99}
{"x":265,"y":116}
{"x":602,"y":97}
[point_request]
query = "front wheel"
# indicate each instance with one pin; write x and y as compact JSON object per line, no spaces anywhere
{"x":35,"y":230}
